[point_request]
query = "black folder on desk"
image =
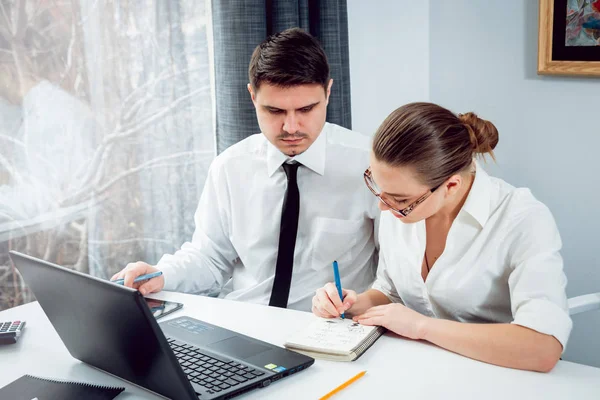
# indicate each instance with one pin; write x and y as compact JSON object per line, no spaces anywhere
{"x":30,"y":387}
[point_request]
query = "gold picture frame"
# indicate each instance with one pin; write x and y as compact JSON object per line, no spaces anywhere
{"x":549,"y":30}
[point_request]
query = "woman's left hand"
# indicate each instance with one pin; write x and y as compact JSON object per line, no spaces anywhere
{"x":396,"y":318}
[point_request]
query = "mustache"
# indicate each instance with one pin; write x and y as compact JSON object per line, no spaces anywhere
{"x":291,"y":136}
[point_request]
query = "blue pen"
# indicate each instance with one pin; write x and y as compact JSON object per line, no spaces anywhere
{"x":338,"y":283}
{"x":139,"y":278}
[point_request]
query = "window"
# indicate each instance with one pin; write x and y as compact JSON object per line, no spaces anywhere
{"x":106,"y":131}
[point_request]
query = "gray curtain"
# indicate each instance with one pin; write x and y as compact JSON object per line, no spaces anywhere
{"x":240,"y":25}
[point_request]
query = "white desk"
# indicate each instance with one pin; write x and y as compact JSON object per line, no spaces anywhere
{"x":397,"y":368}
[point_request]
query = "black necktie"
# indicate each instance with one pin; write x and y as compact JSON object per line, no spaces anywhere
{"x":287,"y":239}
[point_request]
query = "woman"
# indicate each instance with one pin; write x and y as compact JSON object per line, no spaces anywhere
{"x":467,"y":261}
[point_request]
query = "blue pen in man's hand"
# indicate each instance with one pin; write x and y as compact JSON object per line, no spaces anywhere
{"x":139,"y":278}
{"x":338,"y":283}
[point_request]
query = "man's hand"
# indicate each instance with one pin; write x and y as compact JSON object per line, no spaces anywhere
{"x":133,"y":270}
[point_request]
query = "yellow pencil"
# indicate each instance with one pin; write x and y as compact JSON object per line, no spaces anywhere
{"x":344,"y":385}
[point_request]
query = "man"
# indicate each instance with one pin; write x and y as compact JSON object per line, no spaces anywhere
{"x":279,"y":207}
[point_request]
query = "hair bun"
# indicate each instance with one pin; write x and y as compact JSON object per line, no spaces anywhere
{"x":483,"y":134}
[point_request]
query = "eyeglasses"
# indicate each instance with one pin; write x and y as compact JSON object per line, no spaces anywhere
{"x":404,"y":211}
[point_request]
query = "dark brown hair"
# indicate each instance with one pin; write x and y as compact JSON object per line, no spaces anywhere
{"x":289,"y":58}
{"x":433,"y":141}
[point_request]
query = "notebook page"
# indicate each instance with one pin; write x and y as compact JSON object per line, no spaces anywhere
{"x":331,"y":335}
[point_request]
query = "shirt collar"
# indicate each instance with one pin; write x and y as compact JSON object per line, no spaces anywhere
{"x":313,"y":157}
{"x":478,"y":201}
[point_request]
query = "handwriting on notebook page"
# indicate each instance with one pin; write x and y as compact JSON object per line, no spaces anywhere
{"x":343,"y":334}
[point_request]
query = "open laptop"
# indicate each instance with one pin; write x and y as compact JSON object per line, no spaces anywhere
{"x":111,"y":328}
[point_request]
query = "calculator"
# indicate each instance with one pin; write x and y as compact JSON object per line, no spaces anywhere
{"x":10,"y":331}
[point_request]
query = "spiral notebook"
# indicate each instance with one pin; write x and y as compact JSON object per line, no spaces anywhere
{"x":30,"y":387}
{"x":334,"y":339}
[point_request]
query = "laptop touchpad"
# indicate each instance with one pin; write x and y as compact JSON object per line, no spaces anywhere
{"x":238,"y":347}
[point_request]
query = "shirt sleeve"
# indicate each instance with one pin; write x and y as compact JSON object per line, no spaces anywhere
{"x":372,"y":211}
{"x":205,"y":264}
{"x":376,"y":223}
{"x":383,"y":281}
{"x":537,"y":281}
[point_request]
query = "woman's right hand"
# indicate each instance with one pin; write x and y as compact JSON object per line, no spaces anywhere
{"x":327,"y":303}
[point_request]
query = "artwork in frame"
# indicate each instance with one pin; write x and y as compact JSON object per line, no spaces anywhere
{"x":569,"y":37}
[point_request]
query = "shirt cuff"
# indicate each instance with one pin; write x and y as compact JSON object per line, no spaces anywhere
{"x":545,"y":317}
{"x":169,"y":274}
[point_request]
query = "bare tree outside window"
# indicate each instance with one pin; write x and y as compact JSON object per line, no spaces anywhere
{"x":106,"y":131}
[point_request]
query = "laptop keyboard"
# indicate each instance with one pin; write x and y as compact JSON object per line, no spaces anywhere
{"x":213,"y":374}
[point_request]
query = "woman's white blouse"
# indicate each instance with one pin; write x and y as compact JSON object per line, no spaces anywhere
{"x":501,"y":262}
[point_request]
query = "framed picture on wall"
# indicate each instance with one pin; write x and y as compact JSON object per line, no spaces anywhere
{"x":569,"y":37}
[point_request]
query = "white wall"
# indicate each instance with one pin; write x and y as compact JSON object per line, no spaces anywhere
{"x":481,"y":56}
{"x":389,"y":58}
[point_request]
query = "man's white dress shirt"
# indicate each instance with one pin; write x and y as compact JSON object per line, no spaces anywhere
{"x":239,"y":215}
{"x":501,"y":262}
